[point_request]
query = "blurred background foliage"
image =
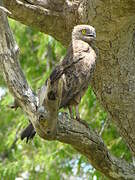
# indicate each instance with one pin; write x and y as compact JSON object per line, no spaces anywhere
{"x":40,"y":159}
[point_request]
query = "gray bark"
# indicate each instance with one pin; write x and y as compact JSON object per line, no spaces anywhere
{"x":113,"y":81}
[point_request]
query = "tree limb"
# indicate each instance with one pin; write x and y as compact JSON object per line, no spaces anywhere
{"x":48,"y":16}
{"x":90,"y":144}
{"x":18,"y":86}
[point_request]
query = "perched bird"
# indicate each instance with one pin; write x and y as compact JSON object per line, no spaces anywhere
{"x":75,"y":69}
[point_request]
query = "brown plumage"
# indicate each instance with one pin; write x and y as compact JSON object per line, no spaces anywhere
{"x":77,"y":67}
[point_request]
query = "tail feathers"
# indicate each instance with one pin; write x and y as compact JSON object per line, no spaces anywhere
{"x":28,"y":133}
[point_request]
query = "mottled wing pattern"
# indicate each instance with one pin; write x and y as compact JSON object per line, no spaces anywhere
{"x":68,"y":61}
{"x":77,"y":79}
{"x":62,"y":66}
{"x":75,"y":69}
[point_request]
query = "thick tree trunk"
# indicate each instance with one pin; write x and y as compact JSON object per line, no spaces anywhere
{"x":114,"y":78}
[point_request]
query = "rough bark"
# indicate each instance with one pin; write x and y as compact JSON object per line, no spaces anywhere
{"x":113,"y":81}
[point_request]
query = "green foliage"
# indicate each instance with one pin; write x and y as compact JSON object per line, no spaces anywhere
{"x":41,"y":159}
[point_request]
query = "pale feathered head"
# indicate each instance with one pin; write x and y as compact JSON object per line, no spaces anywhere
{"x":85,"y":33}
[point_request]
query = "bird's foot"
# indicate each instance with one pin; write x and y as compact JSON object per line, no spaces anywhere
{"x":82,"y":122}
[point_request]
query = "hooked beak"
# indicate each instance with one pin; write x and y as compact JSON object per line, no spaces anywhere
{"x":92,"y":35}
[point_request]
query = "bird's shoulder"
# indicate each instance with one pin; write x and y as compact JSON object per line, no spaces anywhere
{"x":77,"y":51}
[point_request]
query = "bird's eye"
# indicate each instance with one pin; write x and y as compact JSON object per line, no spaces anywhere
{"x":84,"y":32}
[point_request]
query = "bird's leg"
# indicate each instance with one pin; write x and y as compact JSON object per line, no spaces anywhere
{"x":78,"y":117}
{"x":77,"y":112}
{"x":71,"y":112}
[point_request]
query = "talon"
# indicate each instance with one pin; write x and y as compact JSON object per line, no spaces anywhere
{"x":83,"y":122}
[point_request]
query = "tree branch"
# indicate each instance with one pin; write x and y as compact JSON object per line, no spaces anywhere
{"x":41,"y":118}
{"x":90,"y":144}
{"x":12,"y":72}
{"x":48,"y":16}
{"x":55,"y":5}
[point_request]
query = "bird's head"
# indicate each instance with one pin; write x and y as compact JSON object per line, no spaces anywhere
{"x":85,"y":33}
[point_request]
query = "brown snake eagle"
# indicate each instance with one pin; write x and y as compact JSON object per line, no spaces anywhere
{"x":76,"y":69}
